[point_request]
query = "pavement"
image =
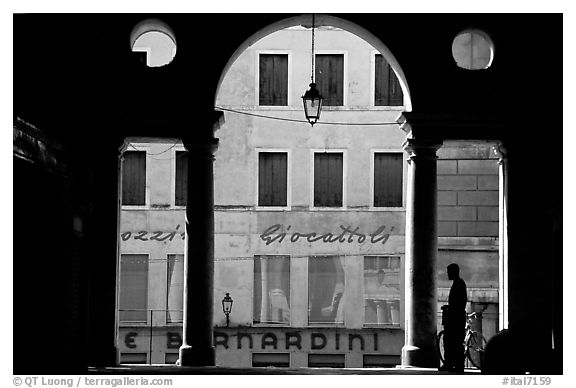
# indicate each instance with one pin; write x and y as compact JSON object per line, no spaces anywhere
{"x":217,"y":370}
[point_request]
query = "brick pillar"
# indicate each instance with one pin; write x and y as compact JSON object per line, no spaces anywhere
{"x":197,"y":344}
{"x":421,"y":250}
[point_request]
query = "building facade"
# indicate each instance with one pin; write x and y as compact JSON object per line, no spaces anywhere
{"x":309,"y":221}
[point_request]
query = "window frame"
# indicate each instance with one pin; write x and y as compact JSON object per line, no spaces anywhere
{"x":344,"y":153}
{"x":292,"y":292}
{"x":146,"y":50}
{"x":344,"y":78}
{"x":373,"y":153}
{"x":289,"y":99}
{"x":373,"y":105}
{"x":142,"y":147}
{"x":177,"y":148}
{"x":288,"y":153}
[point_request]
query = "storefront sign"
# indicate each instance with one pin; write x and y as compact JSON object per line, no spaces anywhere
{"x":296,"y":339}
{"x":173,"y":340}
{"x":347,"y":235}
{"x":145,"y":235}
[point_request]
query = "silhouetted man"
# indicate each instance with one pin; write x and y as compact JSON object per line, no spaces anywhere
{"x":455,"y":322}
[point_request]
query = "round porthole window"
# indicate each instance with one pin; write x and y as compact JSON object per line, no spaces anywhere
{"x":153,"y":43}
{"x":473,"y":50}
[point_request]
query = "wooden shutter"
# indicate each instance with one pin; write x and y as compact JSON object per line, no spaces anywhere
{"x":395,"y":95}
{"x":133,"y":288}
{"x":272,"y":178}
{"x":387,"y":91}
{"x":388,"y":179}
{"x":181,"y":189}
{"x":273,"y":83}
{"x":330,"y":78}
{"x":134,"y":178}
{"x":328,"y":179}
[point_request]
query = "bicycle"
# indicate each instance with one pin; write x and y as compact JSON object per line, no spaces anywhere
{"x":474,"y":344}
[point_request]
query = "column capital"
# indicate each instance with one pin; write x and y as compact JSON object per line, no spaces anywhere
{"x":201,"y":146}
{"x":421,"y":147}
{"x":501,"y":151}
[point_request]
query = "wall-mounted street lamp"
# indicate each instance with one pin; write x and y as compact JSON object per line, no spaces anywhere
{"x":312,"y":99}
{"x":227,"y":307}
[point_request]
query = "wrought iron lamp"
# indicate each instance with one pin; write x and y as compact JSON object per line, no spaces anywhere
{"x":227,"y":307}
{"x":312,"y":99}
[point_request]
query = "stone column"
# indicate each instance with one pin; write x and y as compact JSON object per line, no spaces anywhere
{"x":197,"y":344}
{"x":421,"y":250}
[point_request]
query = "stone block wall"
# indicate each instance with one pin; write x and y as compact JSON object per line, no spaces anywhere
{"x":467,"y":190}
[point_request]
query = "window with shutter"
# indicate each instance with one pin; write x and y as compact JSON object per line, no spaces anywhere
{"x":388,"y":179}
{"x":272,"y":178}
{"x":133,"y":288}
{"x":330,"y":78}
{"x":273,"y":82}
{"x":328,"y":179}
{"x":134,"y":178}
{"x":387,"y":91}
{"x":181,"y":184}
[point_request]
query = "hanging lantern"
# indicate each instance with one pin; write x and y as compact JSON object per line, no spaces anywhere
{"x":312,"y":104}
{"x":312,"y":99}
{"x":227,"y":307}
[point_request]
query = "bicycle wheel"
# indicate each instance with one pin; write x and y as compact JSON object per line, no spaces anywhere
{"x":440,"y":345}
{"x":475,"y":349}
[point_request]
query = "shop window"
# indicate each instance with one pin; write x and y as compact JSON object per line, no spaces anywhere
{"x":133,"y":358}
{"x":278,"y":360}
{"x":181,"y":178}
{"x":387,"y":90}
{"x":273,"y":82}
{"x":134,"y":178}
{"x":175,"y":288}
{"x":272,"y":178}
{"x":326,"y":288}
{"x":382,"y":290}
{"x":272,"y":289}
{"x":328,"y":179}
{"x":388,"y":179}
{"x":381,"y":361}
{"x":133,"y":288}
{"x":171,"y":358}
{"x":326,"y":360}
{"x":330,"y":78}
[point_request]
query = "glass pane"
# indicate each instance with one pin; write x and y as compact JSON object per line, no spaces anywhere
{"x":175,"y":290}
{"x":326,"y":360}
{"x":326,"y":286}
{"x":272,"y":289}
{"x":133,"y":288}
{"x":382,"y":290}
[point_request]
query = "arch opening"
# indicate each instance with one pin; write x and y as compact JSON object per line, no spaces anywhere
{"x":320,"y":21}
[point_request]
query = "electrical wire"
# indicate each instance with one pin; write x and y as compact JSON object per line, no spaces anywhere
{"x":149,"y":155}
{"x":300,"y":121}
